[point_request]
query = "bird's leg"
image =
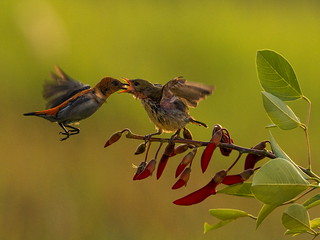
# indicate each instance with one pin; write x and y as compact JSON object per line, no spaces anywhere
{"x":147,"y":137}
{"x":73,"y":130}
{"x":66,"y":132}
{"x":176,"y":135}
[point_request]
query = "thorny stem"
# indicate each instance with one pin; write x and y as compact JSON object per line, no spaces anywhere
{"x":201,"y":144}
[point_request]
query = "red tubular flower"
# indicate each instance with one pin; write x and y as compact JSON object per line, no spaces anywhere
{"x":184,"y":178}
{"x":145,"y":171}
{"x":208,"y":151}
{"x":185,"y":161}
{"x":204,"y":192}
{"x":252,"y":159}
{"x":238,"y":178}
{"x":232,"y":179}
{"x":164,"y":159}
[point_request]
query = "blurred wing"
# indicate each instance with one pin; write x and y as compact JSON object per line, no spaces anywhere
{"x":190,"y":92}
{"x":61,"y":88}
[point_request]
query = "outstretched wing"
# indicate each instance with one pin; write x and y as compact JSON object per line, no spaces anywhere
{"x":61,"y":88}
{"x":190,"y":93}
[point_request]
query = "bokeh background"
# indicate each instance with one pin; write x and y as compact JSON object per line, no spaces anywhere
{"x":77,"y":189}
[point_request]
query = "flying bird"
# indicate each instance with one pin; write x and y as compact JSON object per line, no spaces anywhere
{"x":168,"y":106}
{"x":69,"y":101}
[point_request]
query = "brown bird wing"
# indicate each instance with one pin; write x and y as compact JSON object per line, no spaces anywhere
{"x":191,"y":93}
{"x":61,"y":88}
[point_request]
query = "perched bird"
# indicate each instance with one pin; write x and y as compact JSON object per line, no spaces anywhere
{"x":168,"y":106}
{"x":69,"y":101}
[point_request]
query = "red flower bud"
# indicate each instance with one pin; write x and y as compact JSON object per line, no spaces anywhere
{"x":115,"y":137}
{"x":183,"y":179}
{"x":145,"y":171}
{"x":164,"y":159}
{"x":208,"y":151}
{"x":185,"y":161}
{"x":252,"y":159}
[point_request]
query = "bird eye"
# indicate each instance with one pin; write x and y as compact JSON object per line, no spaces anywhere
{"x":136,"y":83}
{"x":115,"y":83}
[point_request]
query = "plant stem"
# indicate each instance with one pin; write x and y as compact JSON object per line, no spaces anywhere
{"x":306,"y":130}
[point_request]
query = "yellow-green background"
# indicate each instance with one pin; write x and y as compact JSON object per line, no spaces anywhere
{"x":77,"y":189}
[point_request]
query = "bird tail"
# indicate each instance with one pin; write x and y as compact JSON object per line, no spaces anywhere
{"x":198,"y":123}
{"x":30,"y":114}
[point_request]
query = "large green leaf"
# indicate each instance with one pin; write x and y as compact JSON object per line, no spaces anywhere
{"x":278,"y":181}
{"x":264,"y":212}
{"x":312,"y":202}
{"x":279,"y":112}
{"x":241,"y":190}
{"x":277,"y":76}
{"x":277,"y":150}
{"x":296,"y":218}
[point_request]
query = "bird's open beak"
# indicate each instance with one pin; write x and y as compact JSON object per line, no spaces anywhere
{"x":129,"y":87}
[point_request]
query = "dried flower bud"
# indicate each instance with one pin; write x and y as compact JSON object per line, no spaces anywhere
{"x":226,"y":151}
{"x":185,"y":161}
{"x":169,"y":148}
{"x":115,"y":137}
{"x":216,"y":128}
{"x":219,"y":176}
{"x":187,"y":134}
{"x":184,"y":178}
{"x":246,"y":174}
{"x":141,"y":148}
{"x":180,"y":149}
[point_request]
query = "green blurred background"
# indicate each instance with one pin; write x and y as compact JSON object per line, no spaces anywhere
{"x":77,"y":189}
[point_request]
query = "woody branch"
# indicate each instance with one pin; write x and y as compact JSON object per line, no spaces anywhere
{"x":240,"y":149}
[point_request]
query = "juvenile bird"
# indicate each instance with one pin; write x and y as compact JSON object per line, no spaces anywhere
{"x":168,"y":106}
{"x":69,"y":101}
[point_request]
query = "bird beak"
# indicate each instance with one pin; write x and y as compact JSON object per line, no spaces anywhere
{"x":129,"y":88}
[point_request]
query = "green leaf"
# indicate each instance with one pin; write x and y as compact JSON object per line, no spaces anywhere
{"x":278,"y":181}
{"x":312,"y":202}
{"x":277,"y":76}
{"x":279,"y":112}
{"x":264,"y":212}
{"x":296,"y":218}
{"x":314,"y":223}
{"x":241,"y":189}
{"x":208,"y":227}
{"x":277,"y":150}
{"x":226,"y":214}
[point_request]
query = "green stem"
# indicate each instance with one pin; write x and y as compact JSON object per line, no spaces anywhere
{"x":306,"y":130}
